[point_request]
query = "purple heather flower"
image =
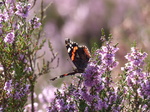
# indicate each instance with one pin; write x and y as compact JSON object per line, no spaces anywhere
{"x":34,"y":22}
{"x":72,"y":107}
{"x":112,"y":97}
{"x":60,"y":104}
{"x":29,"y":69}
{"x":9,"y":38}
{"x":145,"y":107}
{"x":26,"y":88}
{"x":106,"y":56}
{"x":1,"y":26}
{"x":3,"y":18}
{"x":17,"y":25}
{"x":92,"y":75}
{"x":8,"y":86}
{"x":96,"y":82}
{"x":11,"y":11}
{"x":22,"y":9}
{"x":6,"y":14}
{"x":136,"y":58}
{"x":85,"y":94}
{"x":144,"y":90}
{"x":137,"y":80}
{"x":98,"y":105}
{"x":22,"y":58}
{"x":134,"y":67}
{"x":20,"y":91}
{"x":10,"y":1}
{"x":116,"y":109}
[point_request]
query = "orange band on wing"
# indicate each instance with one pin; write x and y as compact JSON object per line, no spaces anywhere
{"x":73,"y":53}
{"x":65,"y":74}
{"x":87,"y":52}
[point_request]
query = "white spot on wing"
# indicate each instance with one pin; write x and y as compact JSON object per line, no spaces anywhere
{"x":69,"y":49}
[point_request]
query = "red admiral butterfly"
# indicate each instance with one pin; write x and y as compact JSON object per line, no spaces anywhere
{"x":79,"y":55}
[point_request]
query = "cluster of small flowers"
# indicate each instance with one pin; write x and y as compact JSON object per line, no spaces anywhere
{"x":92,"y":92}
{"x":21,"y":10}
{"x":16,"y":92}
{"x":63,"y":101}
{"x":9,"y":38}
{"x":20,"y":91}
{"x":138,"y":81}
{"x":107,"y":57}
{"x":106,"y":62}
{"x":97,"y":79}
{"x":34,"y":22}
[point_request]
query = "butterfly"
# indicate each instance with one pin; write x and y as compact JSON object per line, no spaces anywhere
{"x":79,"y":55}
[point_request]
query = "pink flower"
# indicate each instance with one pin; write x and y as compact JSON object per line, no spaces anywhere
{"x":9,"y":38}
{"x":34,"y":22}
{"x":22,"y":9}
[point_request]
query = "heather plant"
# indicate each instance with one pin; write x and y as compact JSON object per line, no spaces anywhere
{"x":136,"y":82}
{"x":18,"y":55}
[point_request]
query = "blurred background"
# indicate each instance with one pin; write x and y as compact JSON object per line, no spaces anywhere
{"x":82,"y":20}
